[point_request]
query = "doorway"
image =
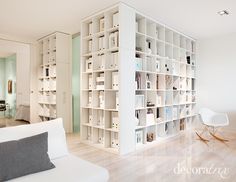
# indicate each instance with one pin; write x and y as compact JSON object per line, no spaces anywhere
{"x":7,"y":86}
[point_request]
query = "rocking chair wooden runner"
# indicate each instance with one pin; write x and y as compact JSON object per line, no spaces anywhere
{"x":212,"y":121}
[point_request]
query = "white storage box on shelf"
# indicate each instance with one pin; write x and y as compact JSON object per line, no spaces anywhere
{"x":115,"y":81}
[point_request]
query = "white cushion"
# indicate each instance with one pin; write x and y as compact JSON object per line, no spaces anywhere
{"x":71,"y":169}
{"x":56,"y":135}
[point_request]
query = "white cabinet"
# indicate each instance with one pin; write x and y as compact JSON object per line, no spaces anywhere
{"x":54,"y":78}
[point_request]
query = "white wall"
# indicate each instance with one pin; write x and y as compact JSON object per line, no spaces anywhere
{"x":216,"y":75}
{"x":22,"y":68}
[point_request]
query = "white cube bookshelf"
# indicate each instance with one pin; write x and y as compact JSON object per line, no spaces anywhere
{"x":148,"y":72}
{"x":54,"y":83}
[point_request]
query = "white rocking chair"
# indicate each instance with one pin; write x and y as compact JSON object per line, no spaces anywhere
{"x":212,"y":121}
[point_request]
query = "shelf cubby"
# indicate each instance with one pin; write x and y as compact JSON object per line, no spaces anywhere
{"x":160,"y":48}
{"x":169,"y":36}
{"x":151,"y":29}
{"x":112,"y":60}
{"x":151,"y":99}
{"x":140,"y":79}
{"x":140,"y":116}
{"x":111,"y":100}
{"x":140,"y":43}
{"x":160,"y":85}
{"x":160,"y":98}
{"x":160,"y":32}
{"x":176,"y":97}
{"x":98,"y":118}
{"x":176,"y":39}
{"x":140,"y":24}
{"x":140,"y":99}
{"x":150,"y":63}
{"x":168,"y":51}
{"x":175,"y":112}
{"x":151,"y":134}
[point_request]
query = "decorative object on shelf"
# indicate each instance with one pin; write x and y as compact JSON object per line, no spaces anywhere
{"x":139,"y":49}
{"x":101,"y":99}
{"x":148,"y":82}
{"x":101,"y":24}
{"x":113,"y":40}
{"x":150,"y":104}
{"x":139,"y":137}
{"x":138,"y":81}
{"x":137,"y":116}
{"x":46,"y":71}
{"x":150,"y":137}
{"x":139,"y":101}
{"x":182,"y":124}
{"x":90,"y":28}
{"x":157,"y":82}
{"x":88,"y":66}
{"x":115,"y":80}
{"x":150,"y":117}
{"x":188,"y":58}
{"x":115,"y":120}
{"x":115,"y":19}
{"x":167,"y":68}
{"x":148,"y":47}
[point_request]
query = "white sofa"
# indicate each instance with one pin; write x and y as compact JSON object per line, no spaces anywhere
{"x":68,"y":168}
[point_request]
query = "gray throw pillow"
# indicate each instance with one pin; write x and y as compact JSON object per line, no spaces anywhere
{"x":25,"y":156}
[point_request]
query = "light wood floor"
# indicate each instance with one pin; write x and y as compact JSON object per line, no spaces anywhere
{"x":6,"y":122}
{"x":158,"y":162}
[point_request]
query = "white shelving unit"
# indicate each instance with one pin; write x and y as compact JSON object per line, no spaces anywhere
{"x":137,"y":80}
{"x":165,"y":81}
{"x":54,"y":78}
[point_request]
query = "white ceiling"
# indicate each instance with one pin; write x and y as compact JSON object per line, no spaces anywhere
{"x":32,"y":19}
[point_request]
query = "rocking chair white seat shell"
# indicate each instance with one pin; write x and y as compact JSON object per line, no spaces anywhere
{"x":213,"y":119}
